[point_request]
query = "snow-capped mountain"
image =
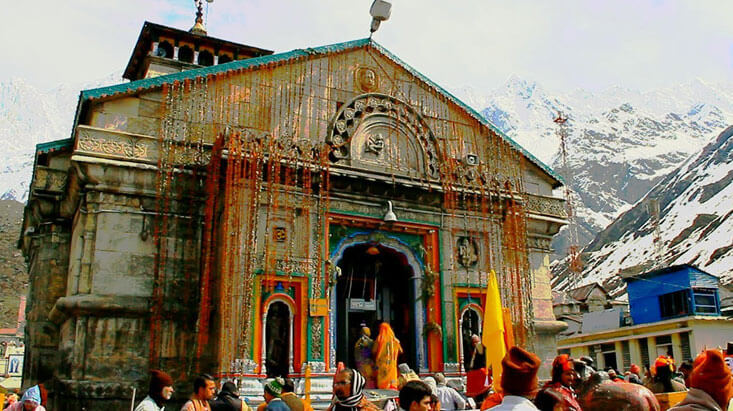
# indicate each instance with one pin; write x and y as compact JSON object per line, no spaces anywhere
{"x":29,"y":116}
{"x":695,"y":224}
{"x":620,"y":142}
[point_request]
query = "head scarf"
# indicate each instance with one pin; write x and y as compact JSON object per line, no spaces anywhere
{"x":32,"y":394}
{"x":357,"y":392}
{"x":387,"y":348}
{"x":560,"y":364}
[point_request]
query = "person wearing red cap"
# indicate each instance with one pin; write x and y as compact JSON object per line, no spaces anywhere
{"x":518,"y":380}
{"x":711,"y":384}
{"x":663,"y":373}
{"x":160,"y":391}
{"x":559,"y":394}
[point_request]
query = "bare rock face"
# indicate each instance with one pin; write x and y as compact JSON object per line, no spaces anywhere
{"x":13,"y":273}
{"x":601,"y":394}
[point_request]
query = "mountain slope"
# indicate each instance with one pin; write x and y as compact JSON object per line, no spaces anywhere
{"x":620,"y":142}
{"x":695,"y":224}
{"x":29,"y":116}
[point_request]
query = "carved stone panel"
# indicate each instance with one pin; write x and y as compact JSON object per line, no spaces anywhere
{"x":380,"y":133}
{"x":467,"y":252}
{"x":366,"y":79}
{"x":48,"y":179}
{"x":97,"y":142}
{"x":546,"y":205}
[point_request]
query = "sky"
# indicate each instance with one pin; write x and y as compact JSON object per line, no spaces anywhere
{"x":563,"y":45}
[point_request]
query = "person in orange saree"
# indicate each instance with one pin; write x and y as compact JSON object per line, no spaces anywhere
{"x":386,"y":349}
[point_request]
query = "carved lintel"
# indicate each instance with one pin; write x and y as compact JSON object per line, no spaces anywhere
{"x":550,"y":206}
{"x":104,"y":143}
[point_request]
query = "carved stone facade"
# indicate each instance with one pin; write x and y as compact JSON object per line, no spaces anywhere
{"x":120,"y":217}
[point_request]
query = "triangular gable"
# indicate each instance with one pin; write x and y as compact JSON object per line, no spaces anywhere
{"x":297,"y":54}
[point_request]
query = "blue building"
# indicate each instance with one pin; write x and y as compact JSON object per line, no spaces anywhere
{"x":675,"y":311}
{"x":671,"y":292}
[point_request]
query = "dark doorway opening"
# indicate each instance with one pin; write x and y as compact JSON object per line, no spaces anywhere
{"x":469,"y":327}
{"x":376,"y":285}
{"x":277,"y":338}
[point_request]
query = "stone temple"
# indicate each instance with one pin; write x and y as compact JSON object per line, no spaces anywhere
{"x":238,"y":212}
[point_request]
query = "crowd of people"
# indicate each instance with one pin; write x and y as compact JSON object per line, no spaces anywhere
{"x":575,"y":385}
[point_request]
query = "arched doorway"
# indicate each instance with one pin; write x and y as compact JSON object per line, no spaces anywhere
{"x":377,"y":285}
{"x":277,"y":339}
{"x":470,"y":325}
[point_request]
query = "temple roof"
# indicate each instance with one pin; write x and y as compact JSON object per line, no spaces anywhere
{"x":298,"y":54}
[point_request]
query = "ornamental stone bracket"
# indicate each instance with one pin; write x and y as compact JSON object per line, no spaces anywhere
{"x":118,"y":145}
{"x":49,"y":180}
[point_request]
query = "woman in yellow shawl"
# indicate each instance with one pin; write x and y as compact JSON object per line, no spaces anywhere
{"x":386,"y":349}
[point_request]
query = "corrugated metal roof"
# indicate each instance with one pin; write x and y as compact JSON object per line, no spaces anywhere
{"x":145,"y":84}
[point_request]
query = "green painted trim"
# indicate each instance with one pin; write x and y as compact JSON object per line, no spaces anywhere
{"x":54,"y":145}
{"x":444,"y":319}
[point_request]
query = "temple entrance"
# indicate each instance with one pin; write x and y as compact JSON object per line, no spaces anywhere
{"x":376,"y":286}
{"x":277,"y":340}
{"x":470,"y":325}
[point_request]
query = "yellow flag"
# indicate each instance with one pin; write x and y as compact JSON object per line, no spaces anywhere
{"x":493,"y":329}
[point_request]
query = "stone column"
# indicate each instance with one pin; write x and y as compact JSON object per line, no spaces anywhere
{"x":546,"y":326}
{"x":635,"y":351}
{"x":620,"y":366}
{"x":677,"y":348}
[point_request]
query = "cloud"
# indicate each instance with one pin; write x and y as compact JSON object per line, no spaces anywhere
{"x":639,"y":44}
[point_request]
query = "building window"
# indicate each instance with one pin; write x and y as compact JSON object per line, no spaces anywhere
{"x":686,"y":349}
{"x":223,"y":58}
{"x":609,"y":355}
{"x":706,"y":301}
{"x":674,"y":304}
{"x":625,"y":354}
{"x":206,"y":58}
{"x":644,"y":348}
{"x":165,"y":49}
{"x":664,"y":345}
{"x":185,"y":54}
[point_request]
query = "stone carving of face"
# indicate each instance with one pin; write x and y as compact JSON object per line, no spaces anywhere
{"x":367,"y":79}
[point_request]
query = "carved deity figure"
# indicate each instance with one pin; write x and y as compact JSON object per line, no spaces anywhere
{"x":366,"y":79}
{"x":374,"y":143}
{"x":467,"y":253}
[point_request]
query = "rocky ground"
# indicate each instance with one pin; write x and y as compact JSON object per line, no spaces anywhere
{"x":13,"y":273}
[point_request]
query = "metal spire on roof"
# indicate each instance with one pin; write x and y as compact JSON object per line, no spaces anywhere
{"x":198,"y":27}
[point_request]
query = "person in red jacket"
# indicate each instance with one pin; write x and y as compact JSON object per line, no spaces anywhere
{"x":559,"y":393}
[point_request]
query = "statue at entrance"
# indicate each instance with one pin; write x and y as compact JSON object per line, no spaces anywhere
{"x":363,"y":356}
{"x":386,"y":349}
